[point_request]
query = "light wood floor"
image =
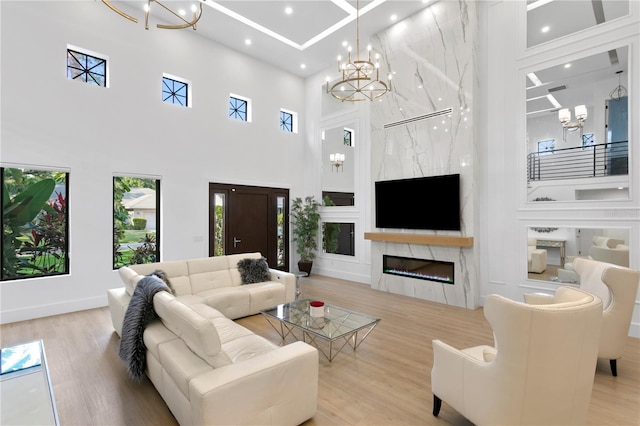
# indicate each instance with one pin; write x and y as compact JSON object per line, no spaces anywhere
{"x":551,"y":271}
{"x":385,"y":382}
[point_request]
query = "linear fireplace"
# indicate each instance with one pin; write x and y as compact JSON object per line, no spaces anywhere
{"x":422,"y":269}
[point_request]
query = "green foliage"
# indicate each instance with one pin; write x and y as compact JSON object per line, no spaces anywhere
{"x":122,"y":185}
{"x":218,"y":221}
{"x":120,"y":217}
{"x":34,"y":228}
{"x":304,"y":218}
{"x":139,"y":223}
{"x":330,"y":231}
{"x":146,"y":252}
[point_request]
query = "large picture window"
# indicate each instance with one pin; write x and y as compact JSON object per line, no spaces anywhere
{"x":34,"y":223}
{"x":136,"y":220}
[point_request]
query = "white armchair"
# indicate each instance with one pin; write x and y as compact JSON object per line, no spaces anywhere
{"x":540,"y":370}
{"x":617,"y":287}
{"x":604,"y":249}
{"x":536,"y":258}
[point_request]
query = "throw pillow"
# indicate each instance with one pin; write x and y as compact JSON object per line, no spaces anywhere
{"x":254,"y":270}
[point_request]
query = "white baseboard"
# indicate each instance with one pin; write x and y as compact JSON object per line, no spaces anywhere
{"x":41,"y":311}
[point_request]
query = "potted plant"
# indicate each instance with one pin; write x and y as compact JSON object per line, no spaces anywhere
{"x":305,"y":218}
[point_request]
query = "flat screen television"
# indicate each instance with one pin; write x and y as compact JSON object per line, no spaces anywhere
{"x":431,"y":202}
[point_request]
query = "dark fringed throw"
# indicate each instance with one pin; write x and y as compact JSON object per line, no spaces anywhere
{"x":139,"y":314}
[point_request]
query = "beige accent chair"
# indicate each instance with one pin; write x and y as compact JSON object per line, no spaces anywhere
{"x":604,"y":249}
{"x":600,"y":241}
{"x":618,"y":255}
{"x":617,"y":287}
{"x":540,"y":370}
{"x":536,"y":258}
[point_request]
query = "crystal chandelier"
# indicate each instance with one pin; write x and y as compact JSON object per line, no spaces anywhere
{"x":197,"y":14}
{"x":360,"y":78}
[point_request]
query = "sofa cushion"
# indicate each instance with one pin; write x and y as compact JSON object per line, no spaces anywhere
{"x":197,"y":331}
{"x":238,"y":343}
{"x":209,"y":273}
{"x":234,"y":301}
{"x":176,"y":270}
{"x":254,"y":270}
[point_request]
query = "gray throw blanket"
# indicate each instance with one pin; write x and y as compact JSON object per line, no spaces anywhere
{"x":139,"y":314}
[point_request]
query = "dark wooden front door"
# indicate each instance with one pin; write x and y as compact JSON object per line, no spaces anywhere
{"x":252,"y":220}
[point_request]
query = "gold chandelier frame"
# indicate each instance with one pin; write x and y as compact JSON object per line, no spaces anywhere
{"x":357,"y":82}
{"x":197,"y":14}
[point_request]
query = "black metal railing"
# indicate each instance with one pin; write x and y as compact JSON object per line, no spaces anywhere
{"x":573,"y":163}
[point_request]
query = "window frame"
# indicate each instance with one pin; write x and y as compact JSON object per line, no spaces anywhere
{"x":546,"y":151}
{"x":48,"y":230}
{"x":351,"y":137}
{"x":189,"y":90}
{"x":248,"y":113}
{"x":96,"y":55}
{"x":588,"y":137}
{"x":158,"y":215}
{"x":294,"y":121}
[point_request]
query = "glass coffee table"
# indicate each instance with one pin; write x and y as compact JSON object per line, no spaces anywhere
{"x":26,"y":396}
{"x":339,"y":326}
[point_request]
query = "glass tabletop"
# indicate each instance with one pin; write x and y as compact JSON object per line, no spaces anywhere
{"x":337,"y":321}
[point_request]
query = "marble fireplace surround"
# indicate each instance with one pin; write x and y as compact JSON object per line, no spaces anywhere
{"x":433,"y":56}
{"x":455,"y":249}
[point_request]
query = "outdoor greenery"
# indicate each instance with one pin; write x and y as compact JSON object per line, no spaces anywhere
{"x":139,"y":223}
{"x":330,"y":231}
{"x":131,"y":243}
{"x":218,"y":233}
{"x":304,"y":219}
{"x":34,"y":224}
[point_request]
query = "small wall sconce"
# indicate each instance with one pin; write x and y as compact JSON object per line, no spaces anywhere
{"x":337,"y":160}
{"x":564,"y":115}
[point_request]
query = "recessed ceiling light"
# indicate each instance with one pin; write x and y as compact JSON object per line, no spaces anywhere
{"x":394,"y":17}
{"x":247,"y":42}
{"x":303,"y":66}
{"x":288,"y":10}
{"x":567,"y":65}
{"x":420,"y":86}
{"x":545,"y":29}
{"x":345,"y":43}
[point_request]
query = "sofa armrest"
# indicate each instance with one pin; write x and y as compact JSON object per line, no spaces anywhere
{"x":118,"y":299}
{"x":289,"y":281}
{"x":286,"y":379}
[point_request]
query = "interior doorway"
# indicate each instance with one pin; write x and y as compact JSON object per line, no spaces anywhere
{"x":246,"y":219}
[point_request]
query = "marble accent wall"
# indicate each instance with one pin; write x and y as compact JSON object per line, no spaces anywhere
{"x":431,"y":55}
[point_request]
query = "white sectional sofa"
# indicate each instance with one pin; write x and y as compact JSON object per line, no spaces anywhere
{"x":214,"y":281}
{"x":208,"y":369}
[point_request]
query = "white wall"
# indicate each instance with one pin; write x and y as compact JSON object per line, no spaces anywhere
{"x":506,"y":213}
{"x":95,"y":132}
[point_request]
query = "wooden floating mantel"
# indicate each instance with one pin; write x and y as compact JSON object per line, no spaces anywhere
{"x":435,"y":240}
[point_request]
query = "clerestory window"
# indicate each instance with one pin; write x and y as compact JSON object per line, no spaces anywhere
{"x":87,"y":68}
{"x":175,"y":91}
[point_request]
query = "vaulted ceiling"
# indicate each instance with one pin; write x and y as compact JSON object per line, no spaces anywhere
{"x":288,"y":34}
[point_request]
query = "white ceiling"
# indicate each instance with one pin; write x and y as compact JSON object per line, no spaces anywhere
{"x":312,"y":34}
{"x":572,"y":85}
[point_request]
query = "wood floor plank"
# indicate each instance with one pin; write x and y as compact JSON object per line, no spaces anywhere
{"x":385,"y":382}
